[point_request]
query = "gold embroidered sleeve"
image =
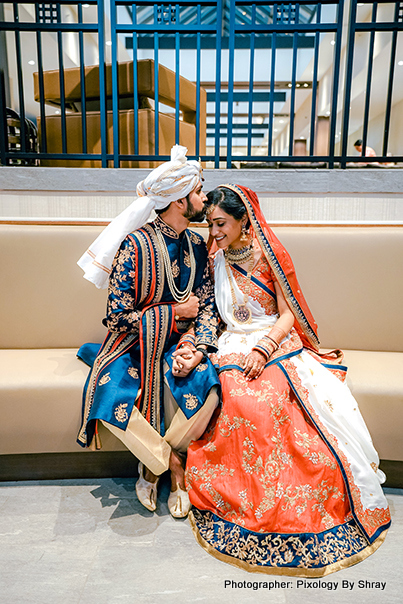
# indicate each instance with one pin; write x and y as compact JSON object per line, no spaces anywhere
{"x":121,"y":314}
{"x":206,"y":320}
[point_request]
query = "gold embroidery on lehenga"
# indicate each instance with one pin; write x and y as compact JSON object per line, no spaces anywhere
{"x":370,"y":519}
{"x":276,"y":551}
{"x":226,"y":427}
{"x":306,"y":442}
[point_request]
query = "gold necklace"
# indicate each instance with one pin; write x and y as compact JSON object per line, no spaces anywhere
{"x":239,"y":255}
{"x":178,"y":295}
{"x":241,"y":313}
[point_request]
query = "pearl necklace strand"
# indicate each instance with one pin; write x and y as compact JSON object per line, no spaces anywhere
{"x":178,"y":295}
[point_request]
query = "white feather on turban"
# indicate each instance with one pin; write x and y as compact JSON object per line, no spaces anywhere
{"x":169,"y":182}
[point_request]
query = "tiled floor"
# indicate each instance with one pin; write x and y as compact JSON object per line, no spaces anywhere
{"x":91,"y":542}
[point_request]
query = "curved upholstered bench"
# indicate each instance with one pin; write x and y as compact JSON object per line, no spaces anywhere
{"x":350,"y":276}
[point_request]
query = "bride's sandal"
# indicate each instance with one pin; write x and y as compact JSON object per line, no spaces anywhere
{"x":179,"y":503}
{"x":146,"y":491}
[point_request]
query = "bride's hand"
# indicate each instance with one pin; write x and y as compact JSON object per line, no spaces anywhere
{"x":254,"y":365}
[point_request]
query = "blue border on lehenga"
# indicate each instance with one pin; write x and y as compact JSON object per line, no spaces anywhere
{"x":256,"y":548}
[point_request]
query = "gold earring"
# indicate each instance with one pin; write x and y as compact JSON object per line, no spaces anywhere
{"x":244,"y":235}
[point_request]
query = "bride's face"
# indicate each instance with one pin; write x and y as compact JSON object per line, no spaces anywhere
{"x":225,"y":229}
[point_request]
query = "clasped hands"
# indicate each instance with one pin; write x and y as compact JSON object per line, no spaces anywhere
{"x":186,"y":358}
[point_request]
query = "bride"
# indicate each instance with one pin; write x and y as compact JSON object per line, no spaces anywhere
{"x":287,"y":480}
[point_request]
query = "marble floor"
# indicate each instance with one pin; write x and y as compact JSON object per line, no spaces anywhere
{"x":91,"y":542}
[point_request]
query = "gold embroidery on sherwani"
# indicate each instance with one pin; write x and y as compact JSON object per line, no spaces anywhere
{"x":195,"y":238}
{"x":186,"y":258}
{"x":121,"y":413}
{"x":105,"y":379}
{"x":175,"y":268}
{"x":191,"y":401}
{"x":108,"y":352}
{"x":133,"y":372}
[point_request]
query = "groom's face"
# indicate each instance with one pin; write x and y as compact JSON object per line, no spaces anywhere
{"x":196,"y":211}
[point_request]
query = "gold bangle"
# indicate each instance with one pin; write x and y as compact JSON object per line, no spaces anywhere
{"x":276,"y":345}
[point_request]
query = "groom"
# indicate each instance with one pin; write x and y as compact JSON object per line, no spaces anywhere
{"x":160,"y":305}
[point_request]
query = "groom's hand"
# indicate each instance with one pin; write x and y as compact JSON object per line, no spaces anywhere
{"x":188,"y":309}
{"x":186,"y":359}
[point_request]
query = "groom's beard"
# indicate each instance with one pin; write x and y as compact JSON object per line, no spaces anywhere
{"x":193,"y":215}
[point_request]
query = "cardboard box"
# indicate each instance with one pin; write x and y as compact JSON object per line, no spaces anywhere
{"x":146,"y":90}
{"x":146,"y":137}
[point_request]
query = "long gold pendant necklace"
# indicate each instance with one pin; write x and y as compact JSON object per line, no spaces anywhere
{"x":241,"y":313}
{"x":178,"y":295}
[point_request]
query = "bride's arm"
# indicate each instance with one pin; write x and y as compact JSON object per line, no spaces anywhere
{"x":257,"y":359}
{"x":286,"y":319}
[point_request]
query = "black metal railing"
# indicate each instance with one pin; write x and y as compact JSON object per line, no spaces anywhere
{"x":239,"y":82}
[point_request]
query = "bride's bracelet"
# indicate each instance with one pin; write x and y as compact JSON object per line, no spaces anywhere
{"x":266,"y":347}
{"x":187,"y":339}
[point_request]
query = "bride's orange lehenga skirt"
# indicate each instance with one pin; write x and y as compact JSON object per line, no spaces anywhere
{"x":268,"y":492}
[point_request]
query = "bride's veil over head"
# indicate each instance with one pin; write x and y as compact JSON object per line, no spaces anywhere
{"x":281,"y":265}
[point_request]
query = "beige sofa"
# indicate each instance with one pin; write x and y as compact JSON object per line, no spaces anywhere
{"x":351,"y":277}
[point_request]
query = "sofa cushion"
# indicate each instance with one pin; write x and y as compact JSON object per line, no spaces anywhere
{"x":40,"y":402}
{"x":375,"y":379}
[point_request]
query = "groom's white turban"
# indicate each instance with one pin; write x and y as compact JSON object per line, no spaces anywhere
{"x":169,"y":182}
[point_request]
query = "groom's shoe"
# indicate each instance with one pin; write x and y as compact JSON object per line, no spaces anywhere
{"x":146,"y":491}
{"x":179,"y":503}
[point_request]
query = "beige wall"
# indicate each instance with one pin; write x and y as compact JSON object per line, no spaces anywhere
{"x":288,"y":208}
